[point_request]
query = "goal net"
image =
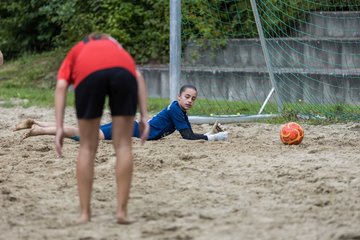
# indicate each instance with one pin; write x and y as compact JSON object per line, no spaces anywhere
{"x":264,"y":57}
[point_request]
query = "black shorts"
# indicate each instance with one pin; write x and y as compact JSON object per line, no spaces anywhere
{"x":117,"y":83}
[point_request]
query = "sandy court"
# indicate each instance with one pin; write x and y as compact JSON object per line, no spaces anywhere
{"x":249,"y":187}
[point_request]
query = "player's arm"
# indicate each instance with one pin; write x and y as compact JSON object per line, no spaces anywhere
{"x":64,"y":79}
{"x":142,"y":99}
{"x":60,"y":99}
{"x":190,"y":135}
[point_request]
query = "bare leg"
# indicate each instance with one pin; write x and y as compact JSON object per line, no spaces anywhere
{"x":89,"y":139}
{"x":69,"y":132}
{"x":44,"y":124}
{"x":28,"y":123}
{"x":122,"y":133}
{"x":37,"y":131}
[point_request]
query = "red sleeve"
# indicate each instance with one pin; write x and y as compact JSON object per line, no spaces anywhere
{"x":66,"y":68}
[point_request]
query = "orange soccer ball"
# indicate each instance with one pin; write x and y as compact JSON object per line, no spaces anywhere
{"x":291,"y":133}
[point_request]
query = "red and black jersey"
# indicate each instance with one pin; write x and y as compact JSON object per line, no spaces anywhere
{"x":91,"y":55}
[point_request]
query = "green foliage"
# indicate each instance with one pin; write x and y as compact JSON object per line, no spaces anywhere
{"x":142,"y":26}
{"x":217,"y":19}
{"x":41,"y":25}
{"x":25,"y":27}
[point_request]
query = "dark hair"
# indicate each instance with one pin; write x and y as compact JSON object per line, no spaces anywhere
{"x":186,"y":86}
{"x":95,"y":36}
{"x":98,"y":35}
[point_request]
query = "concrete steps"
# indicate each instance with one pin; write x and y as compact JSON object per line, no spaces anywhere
{"x":331,"y":24}
{"x":307,"y":53}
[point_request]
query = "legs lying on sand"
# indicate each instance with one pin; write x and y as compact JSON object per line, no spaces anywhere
{"x":29,"y":122}
{"x":38,"y":128}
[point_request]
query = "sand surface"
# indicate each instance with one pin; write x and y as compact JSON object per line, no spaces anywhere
{"x":249,"y":187}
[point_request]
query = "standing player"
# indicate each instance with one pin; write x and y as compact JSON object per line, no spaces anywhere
{"x":98,"y":66}
{"x":171,"y":118}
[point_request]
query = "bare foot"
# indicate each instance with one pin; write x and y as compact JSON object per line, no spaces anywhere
{"x":24,"y":124}
{"x":124,"y":220}
{"x":82,"y":220}
{"x":32,"y":132}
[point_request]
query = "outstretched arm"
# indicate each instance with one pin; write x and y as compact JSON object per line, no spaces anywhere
{"x":215,"y":134}
{"x":190,"y":135}
{"x":38,"y":128}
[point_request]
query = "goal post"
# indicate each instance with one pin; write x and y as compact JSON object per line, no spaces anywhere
{"x":175,"y":48}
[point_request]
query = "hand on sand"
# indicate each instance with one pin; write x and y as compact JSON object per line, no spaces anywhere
{"x":220,"y":136}
{"x":24,"y":124}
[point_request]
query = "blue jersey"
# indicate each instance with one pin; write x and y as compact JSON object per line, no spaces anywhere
{"x":167,"y":121}
{"x":162,"y":124}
